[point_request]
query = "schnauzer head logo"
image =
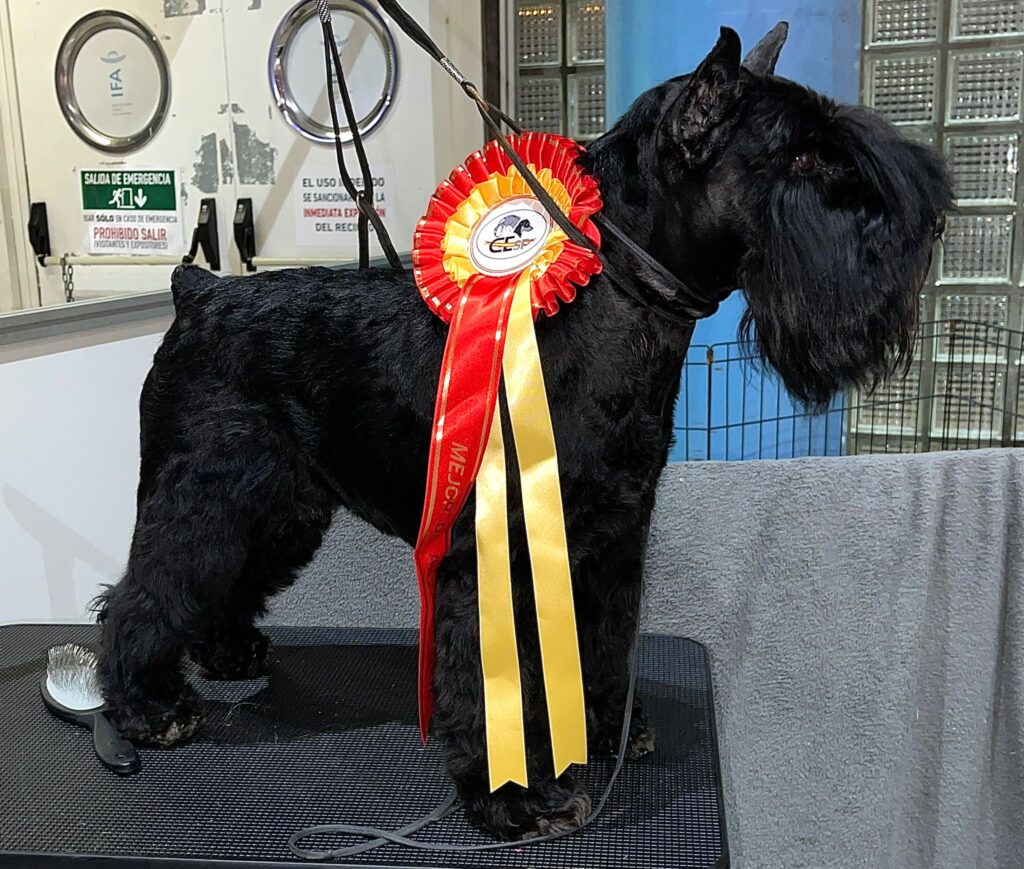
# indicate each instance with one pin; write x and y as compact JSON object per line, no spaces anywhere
{"x":823,"y":214}
{"x":512,"y":233}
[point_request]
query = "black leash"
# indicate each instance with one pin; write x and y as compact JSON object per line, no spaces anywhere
{"x":673,"y":308}
{"x":674,"y":305}
{"x":378,"y":837}
{"x":362,"y":198}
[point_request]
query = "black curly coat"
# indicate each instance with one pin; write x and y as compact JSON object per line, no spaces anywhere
{"x":278,"y":398}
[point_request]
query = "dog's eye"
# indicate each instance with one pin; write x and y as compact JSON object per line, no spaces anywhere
{"x":806,"y":162}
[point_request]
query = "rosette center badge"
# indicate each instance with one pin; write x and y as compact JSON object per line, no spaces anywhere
{"x":509,"y":237}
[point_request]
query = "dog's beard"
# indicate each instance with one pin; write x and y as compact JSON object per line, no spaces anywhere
{"x":833,"y":295}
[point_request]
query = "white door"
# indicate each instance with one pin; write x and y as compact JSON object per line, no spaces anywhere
{"x":191,"y":36}
{"x":225,"y":136}
{"x":403,"y":97}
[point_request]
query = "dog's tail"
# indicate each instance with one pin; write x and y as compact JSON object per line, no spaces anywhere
{"x":98,"y":605}
{"x":186,"y":281}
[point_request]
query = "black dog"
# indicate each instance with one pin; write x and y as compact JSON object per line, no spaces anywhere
{"x":523,"y":226}
{"x":275,"y":399}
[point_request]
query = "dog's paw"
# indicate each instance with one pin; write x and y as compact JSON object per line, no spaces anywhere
{"x":514,"y":813}
{"x":242,"y":654}
{"x":160,"y":727}
{"x":641,"y":737}
{"x":569,"y":816}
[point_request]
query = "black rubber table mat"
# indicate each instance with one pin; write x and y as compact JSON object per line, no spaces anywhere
{"x":330,"y":736}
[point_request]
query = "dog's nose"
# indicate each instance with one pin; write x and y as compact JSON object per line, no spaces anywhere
{"x":939,"y":227}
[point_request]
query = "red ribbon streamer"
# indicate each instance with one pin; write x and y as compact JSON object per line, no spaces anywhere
{"x":466,"y":401}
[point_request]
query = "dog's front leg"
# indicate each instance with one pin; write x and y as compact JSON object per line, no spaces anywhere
{"x":549,"y":805}
{"x":608,"y":589}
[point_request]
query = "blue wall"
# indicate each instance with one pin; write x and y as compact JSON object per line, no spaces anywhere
{"x":649,"y":41}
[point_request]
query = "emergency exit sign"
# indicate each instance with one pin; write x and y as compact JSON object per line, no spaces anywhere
{"x":131,"y":211}
{"x":129,"y":191}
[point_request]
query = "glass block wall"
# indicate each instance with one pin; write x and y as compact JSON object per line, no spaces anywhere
{"x":560,"y":67}
{"x":950,"y":73}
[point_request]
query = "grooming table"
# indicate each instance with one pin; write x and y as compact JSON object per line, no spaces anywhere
{"x":330,"y":736}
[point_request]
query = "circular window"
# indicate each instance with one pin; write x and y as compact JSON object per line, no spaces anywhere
{"x":113,"y":81}
{"x":298,"y":75}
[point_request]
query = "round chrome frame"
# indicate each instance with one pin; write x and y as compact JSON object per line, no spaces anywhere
{"x":295,"y":117}
{"x":67,"y":56}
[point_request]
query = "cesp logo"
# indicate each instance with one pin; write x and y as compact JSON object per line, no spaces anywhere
{"x":512,"y":233}
{"x":509,"y":236}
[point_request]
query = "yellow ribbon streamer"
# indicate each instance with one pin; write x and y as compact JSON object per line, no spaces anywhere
{"x":503,"y":691}
{"x":549,"y":560}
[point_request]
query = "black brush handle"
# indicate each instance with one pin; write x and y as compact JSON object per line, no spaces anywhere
{"x":116,"y":753}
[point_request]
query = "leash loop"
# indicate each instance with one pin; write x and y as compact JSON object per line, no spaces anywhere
{"x":364,"y":203}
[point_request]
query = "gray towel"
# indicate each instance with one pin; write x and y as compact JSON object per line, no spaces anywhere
{"x":866,"y":622}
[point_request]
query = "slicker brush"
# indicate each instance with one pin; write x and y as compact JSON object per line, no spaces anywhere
{"x":71,"y":690}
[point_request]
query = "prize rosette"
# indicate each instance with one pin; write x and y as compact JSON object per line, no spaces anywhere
{"x":488,"y":260}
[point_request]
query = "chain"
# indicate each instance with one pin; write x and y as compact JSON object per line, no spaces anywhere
{"x":67,"y":274}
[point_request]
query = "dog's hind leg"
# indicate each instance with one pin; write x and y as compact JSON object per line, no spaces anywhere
{"x":234,"y":648}
{"x":197,"y":518}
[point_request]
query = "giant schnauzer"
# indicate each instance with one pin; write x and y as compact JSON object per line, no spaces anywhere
{"x":277,"y":398}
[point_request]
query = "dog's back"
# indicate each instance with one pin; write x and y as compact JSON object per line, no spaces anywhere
{"x":298,"y":363}
{"x":297,"y":331}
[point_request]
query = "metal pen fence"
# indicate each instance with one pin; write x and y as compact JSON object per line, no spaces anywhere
{"x":962,"y":390}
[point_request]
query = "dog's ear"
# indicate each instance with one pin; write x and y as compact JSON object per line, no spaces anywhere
{"x":706,"y":98}
{"x":764,"y":55}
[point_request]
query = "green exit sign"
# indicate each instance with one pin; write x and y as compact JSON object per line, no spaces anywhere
{"x":129,"y":190}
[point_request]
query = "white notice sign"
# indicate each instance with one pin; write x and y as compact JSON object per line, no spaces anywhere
{"x":325,"y":214}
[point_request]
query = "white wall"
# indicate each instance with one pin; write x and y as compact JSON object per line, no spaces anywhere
{"x":20,"y":288}
{"x":69,"y":445}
